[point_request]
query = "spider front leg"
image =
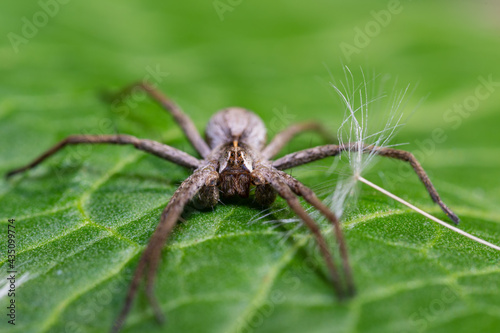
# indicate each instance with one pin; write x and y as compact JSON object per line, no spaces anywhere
{"x":313,"y":154}
{"x":264,"y":174}
{"x":163,"y":151}
{"x":205,"y":176}
{"x":180,"y":117}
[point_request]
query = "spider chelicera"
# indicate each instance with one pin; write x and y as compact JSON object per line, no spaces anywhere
{"x":234,"y":158}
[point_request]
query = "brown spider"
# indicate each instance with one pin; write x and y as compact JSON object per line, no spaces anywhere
{"x":235,"y":157}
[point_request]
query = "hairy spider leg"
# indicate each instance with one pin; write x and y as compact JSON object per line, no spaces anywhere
{"x":310,"y":196}
{"x":273,"y":178}
{"x":156,"y":148}
{"x":182,"y":119}
{"x":312,"y":154}
{"x":152,"y":255}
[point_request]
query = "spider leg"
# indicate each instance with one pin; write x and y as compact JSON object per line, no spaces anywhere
{"x":163,"y":151}
{"x":316,"y":153}
{"x":283,"y":137}
{"x":180,"y":117}
{"x":151,"y":257}
{"x":310,"y":196}
{"x":280,"y":185}
{"x":410,"y":158}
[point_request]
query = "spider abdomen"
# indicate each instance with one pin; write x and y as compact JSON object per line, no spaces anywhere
{"x":235,"y":124}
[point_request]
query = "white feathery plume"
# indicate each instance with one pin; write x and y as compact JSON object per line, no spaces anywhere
{"x":358,"y":101}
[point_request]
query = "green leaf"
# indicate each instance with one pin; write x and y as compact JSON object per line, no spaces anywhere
{"x":84,"y":216}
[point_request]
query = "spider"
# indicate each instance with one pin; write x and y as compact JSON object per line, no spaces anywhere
{"x":234,"y":158}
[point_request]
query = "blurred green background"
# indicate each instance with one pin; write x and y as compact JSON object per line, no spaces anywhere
{"x":84,"y":217}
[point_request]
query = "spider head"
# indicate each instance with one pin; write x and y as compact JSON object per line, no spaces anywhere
{"x":235,"y":166}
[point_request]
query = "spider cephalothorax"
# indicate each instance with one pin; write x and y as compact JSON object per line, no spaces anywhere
{"x":235,"y":170}
{"x":235,"y":157}
{"x":236,"y":136}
